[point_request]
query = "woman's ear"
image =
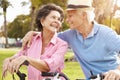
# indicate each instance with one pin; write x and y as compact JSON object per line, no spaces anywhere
{"x":42,"y":21}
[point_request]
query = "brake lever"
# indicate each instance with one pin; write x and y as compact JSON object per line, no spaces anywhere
{"x":21,"y":75}
{"x":97,"y":77}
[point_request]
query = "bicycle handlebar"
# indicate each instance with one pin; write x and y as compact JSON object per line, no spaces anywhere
{"x":100,"y":76}
{"x":95,"y":77}
{"x":21,"y":75}
{"x":52,"y":74}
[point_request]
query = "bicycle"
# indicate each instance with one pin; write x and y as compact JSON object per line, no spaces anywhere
{"x":55,"y":75}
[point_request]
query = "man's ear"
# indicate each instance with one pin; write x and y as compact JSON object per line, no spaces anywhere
{"x":84,"y":14}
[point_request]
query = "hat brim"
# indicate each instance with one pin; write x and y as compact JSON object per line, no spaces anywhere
{"x":82,"y":9}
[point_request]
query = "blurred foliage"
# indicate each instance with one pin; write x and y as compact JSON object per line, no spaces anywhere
{"x":38,"y":3}
{"x":19,"y":27}
{"x":4,"y":4}
{"x":114,"y":23}
{"x":104,"y":11}
{"x":22,"y":24}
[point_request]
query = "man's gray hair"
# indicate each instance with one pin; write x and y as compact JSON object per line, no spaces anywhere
{"x":90,"y":15}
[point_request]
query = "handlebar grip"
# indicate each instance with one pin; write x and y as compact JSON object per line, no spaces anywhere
{"x":49,"y":74}
{"x":21,"y":75}
{"x":101,"y":76}
{"x":52,"y":74}
{"x":26,"y":63}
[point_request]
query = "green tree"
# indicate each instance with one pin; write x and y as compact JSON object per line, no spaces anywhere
{"x":32,"y":13}
{"x":116,"y":24}
{"x":103,"y":9}
{"x":19,"y":27}
{"x":4,"y":4}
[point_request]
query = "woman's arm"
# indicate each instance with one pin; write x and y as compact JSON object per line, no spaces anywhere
{"x":56,"y":61}
{"x":38,"y":64}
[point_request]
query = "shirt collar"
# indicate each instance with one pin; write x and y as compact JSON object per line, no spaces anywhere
{"x":53,"y":40}
{"x":94,"y":30}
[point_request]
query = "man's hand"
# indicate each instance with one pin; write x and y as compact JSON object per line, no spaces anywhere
{"x":27,"y":39}
{"x":112,"y":75}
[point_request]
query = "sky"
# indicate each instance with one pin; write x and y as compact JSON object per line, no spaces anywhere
{"x":15,"y":10}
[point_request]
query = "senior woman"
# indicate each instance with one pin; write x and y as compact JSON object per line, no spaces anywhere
{"x":46,"y":53}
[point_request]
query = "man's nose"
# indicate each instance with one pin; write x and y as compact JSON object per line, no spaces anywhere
{"x":67,"y":20}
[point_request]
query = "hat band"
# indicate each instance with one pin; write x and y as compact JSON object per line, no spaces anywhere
{"x":77,"y":6}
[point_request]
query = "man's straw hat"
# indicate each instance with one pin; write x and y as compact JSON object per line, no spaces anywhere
{"x":79,"y":4}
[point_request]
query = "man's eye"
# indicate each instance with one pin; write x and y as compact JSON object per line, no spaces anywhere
{"x":70,"y":16}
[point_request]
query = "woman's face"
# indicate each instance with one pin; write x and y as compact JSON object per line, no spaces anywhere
{"x":52,"y":22}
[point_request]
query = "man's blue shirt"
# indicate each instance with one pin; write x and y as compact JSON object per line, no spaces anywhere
{"x":98,"y":52}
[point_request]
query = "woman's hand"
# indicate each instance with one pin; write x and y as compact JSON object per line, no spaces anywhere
{"x":112,"y":75}
{"x":16,"y":63}
{"x":6,"y":64}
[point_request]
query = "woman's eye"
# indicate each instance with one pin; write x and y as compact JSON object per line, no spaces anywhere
{"x":53,"y":17}
{"x":59,"y":19}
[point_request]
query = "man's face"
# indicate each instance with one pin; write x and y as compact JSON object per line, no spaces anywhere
{"x":74,"y":18}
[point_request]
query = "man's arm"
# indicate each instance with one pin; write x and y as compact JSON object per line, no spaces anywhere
{"x":28,"y":38}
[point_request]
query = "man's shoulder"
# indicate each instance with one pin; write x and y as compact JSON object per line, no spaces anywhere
{"x":61,"y":41}
{"x":103,"y":27}
{"x":69,"y":31}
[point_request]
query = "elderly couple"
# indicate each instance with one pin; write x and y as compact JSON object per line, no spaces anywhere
{"x":95,"y":46}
